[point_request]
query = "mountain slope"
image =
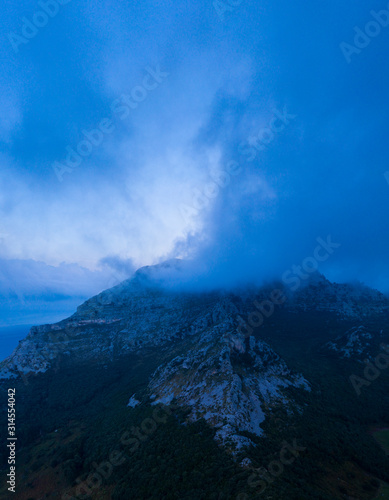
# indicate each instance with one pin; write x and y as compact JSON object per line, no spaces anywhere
{"x":142,"y":346}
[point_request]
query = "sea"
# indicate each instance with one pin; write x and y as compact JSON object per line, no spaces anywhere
{"x":9,"y":338}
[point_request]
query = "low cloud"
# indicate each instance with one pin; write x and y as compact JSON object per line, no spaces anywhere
{"x":33,"y":292}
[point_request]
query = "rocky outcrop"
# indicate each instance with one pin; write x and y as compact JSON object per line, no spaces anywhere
{"x":230,"y":381}
{"x":357,"y":344}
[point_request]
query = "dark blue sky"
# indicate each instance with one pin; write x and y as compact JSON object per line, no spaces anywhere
{"x":176,"y":93}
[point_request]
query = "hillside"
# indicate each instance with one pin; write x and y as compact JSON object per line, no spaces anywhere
{"x":201,"y":393}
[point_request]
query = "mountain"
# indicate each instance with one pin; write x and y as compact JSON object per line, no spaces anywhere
{"x":239,"y":373}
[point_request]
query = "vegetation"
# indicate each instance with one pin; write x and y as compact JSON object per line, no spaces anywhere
{"x":70,"y":422}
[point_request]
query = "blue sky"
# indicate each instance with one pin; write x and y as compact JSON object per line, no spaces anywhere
{"x":222,"y":76}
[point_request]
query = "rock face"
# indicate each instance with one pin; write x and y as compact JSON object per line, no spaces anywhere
{"x":355,"y":343}
{"x":228,"y":381}
{"x":231,"y":380}
{"x":350,"y":301}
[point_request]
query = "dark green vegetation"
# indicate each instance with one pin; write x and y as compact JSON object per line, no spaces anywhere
{"x":382,"y":436}
{"x":86,"y":405}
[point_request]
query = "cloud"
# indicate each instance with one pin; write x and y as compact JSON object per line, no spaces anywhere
{"x":32,"y":291}
{"x":122,"y":207}
{"x":123,"y":268}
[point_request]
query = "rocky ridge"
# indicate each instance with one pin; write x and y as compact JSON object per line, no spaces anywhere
{"x":231,"y":380}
